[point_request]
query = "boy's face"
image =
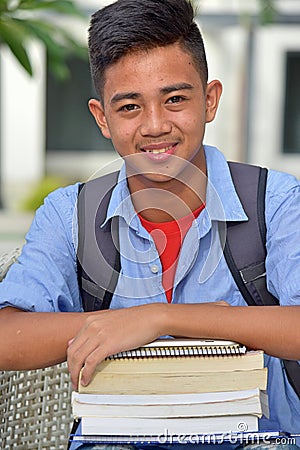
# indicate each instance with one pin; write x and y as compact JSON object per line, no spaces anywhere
{"x":155,"y":107}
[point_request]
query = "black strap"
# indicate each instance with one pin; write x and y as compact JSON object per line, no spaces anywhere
{"x":116,"y":263}
{"x":245,"y":249}
{"x":98,"y":257}
{"x":73,"y":431}
{"x":292,"y":370}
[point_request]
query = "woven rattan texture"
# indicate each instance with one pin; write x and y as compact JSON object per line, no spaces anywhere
{"x":6,"y":260}
{"x":35,"y":409}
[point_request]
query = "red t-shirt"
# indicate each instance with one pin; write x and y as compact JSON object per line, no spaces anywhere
{"x":168,"y":238}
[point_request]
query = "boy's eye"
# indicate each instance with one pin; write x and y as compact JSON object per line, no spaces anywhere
{"x":129,"y":107}
{"x":175,"y":99}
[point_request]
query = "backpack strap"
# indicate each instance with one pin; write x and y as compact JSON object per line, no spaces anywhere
{"x":98,"y":257}
{"x":245,"y":247}
{"x":245,"y":250}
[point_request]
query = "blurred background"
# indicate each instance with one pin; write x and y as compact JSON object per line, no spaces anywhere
{"x":48,"y":138}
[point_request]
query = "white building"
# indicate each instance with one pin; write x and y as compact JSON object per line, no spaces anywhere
{"x":46,"y":126}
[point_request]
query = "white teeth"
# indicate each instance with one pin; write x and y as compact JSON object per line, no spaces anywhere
{"x":162,"y":150}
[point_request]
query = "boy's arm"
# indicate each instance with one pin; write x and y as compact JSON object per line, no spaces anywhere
{"x":274,"y":329}
{"x":31,"y":340}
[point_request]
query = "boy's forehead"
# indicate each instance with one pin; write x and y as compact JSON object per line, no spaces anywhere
{"x":139,"y":65}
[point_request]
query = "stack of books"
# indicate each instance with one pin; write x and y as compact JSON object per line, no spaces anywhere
{"x":173,"y":387}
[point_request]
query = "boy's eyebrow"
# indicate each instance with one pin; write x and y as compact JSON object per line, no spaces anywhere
{"x":176,"y":87}
{"x":125,"y":96}
{"x":165,"y":90}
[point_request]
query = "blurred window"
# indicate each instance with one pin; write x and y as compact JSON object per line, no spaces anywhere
{"x":69,"y":124}
{"x":291,"y":135}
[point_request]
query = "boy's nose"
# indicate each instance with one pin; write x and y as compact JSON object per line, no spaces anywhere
{"x":155,"y":123}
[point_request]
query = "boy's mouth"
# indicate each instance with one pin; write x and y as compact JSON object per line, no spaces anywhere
{"x":158,"y":149}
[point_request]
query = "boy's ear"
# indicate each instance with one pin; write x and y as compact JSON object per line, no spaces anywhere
{"x":97,"y":111}
{"x":213,"y":94}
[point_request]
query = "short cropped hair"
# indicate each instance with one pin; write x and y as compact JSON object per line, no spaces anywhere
{"x":128,"y":26}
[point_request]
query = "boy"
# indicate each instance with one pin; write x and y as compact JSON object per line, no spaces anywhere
{"x":149,"y":68}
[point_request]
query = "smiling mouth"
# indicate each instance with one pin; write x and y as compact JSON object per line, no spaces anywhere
{"x":158,"y":151}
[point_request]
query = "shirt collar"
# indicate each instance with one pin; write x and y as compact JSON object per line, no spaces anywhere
{"x":120,"y":203}
{"x":222,"y":201}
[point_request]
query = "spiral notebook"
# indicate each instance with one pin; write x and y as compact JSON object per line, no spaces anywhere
{"x":162,"y":348}
{"x":169,"y":366}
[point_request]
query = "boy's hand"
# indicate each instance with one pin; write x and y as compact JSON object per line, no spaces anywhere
{"x":111,"y":331}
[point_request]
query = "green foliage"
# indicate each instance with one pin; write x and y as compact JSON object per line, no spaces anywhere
{"x":268,"y":12}
{"x":22,"y":20}
{"x":36,"y":196}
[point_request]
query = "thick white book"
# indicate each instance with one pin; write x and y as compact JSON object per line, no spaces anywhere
{"x":251,"y":401}
{"x":127,"y":426}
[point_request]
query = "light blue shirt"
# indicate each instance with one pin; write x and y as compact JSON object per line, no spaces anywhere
{"x":45,"y":279}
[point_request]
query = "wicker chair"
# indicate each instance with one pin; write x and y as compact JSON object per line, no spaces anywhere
{"x":35,"y":407}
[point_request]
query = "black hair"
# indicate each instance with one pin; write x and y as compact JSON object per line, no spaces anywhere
{"x":127,"y":26}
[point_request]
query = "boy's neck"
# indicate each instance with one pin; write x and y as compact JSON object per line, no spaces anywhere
{"x":170,"y":200}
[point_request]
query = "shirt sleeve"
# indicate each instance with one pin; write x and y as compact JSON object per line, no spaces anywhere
{"x":45,"y":277}
{"x":283,"y":237}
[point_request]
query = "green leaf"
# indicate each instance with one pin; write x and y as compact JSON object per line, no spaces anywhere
{"x":268,"y":12}
{"x":73,"y":45}
{"x":17,"y":27}
{"x":60,"y":6}
{"x":3,"y":6}
{"x":60,"y":70}
{"x":11,"y":35}
{"x":55,"y":51}
{"x":58,"y":43}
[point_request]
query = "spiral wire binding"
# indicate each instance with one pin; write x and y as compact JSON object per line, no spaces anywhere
{"x":178,"y":350}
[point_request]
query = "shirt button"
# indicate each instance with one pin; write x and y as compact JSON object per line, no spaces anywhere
{"x":154,"y":268}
